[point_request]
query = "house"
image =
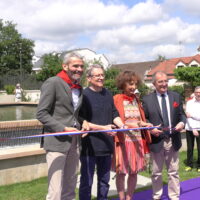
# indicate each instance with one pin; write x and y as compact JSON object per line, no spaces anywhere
{"x":140,"y":68}
{"x":37,"y":63}
{"x":170,"y":65}
{"x":88,"y":55}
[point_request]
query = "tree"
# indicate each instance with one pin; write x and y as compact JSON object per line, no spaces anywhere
{"x":15,"y":52}
{"x":110,"y":80}
{"x":188,"y":74}
{"x":179,"y":89}
{"x":161,"y":58}
{"x":144,"y":90}
{"x":52,"y":64}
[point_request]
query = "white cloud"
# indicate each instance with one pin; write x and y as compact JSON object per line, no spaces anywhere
{"x":121,"y":32}
{"x":124,"y":54}
{"x":146,"y":37}
{"x":169,"y":50}
{"x":190,"y":34}
{"x":192,"y":6}
{"x":147,"y":11}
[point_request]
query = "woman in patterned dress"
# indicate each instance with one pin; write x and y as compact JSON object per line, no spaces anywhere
{"x":131,"y":146}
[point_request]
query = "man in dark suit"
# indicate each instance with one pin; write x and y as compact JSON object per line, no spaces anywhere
{"x":58,"y":110}
{"x":164,"y":108}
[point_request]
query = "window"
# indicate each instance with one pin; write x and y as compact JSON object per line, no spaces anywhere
{"x":180,"y":66}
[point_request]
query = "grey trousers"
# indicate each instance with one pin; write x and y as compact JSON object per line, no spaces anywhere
{"x":62,"y":173}
{"x":171,"y":158}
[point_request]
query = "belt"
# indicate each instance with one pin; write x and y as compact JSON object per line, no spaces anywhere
{"x":166,"y":136}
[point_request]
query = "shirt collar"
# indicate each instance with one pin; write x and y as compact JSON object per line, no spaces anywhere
{"x":158,"y":94}
{"x":194,"y":99}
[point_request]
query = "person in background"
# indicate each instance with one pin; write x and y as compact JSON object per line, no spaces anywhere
{"x":190,"y":97}
{"x":193,"y":128}
{"x":58,"y":110}
{"x":164,"y":108}
{"x":137,"y":93}
{"x":131,"y":146}
{"x":18,"y":93}
{"x":99,"y":110}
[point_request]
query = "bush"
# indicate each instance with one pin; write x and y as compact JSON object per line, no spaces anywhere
{"x":110,"y":84}
{"x":24,"y":97}
{"x":144,"y":90}
{"x":9,"y":89}
{"x":178,"y":88}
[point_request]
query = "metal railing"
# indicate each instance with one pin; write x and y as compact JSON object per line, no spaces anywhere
{"x":13,"y":129}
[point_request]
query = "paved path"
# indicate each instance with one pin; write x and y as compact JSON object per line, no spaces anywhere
{"x":142,"y":182}
{"x":28,"y":150}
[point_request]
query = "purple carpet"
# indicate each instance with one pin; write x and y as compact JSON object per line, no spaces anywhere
{"x":190,"y":190}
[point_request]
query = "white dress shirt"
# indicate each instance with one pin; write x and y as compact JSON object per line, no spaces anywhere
{"x":75,"y":99}
{"x":193,"y":108}
{"x":167,"y":102}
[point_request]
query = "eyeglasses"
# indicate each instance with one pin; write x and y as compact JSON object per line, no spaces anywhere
{"x":98,"y":76}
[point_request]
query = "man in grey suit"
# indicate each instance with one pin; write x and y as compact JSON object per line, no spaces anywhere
{"x":58,"y":110}
{"x":164,"y":108}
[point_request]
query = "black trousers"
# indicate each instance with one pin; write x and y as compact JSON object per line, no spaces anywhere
{"x":88,"y":163}
{"x":190,"y":138}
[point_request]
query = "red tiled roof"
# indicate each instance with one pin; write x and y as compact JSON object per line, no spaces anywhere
{"x":140,"y":68}
{"x":168,"y":66}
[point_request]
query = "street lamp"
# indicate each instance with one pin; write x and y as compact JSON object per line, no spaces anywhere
{"x":20,"y":60}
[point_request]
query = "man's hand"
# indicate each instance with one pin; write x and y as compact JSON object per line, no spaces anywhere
{"x":156,"y":132}
{"x":195,"y":133}
{"x":179,"y":127}
{"x":188,"y":115}
{"x":70,"y":129}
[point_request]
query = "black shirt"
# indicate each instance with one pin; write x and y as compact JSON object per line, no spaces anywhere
{"x":98,"y":108}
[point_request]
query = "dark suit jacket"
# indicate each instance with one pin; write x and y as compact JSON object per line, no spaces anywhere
{"x":55,"y":111}
{"x":153,"y":115}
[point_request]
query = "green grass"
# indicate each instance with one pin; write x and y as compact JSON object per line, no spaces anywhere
{"x":33,"y":190}
{"x":183,"y":175}
{"x":37,"y":189}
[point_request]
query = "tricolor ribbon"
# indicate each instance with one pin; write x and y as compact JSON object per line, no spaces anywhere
{"x":78,"y":133}
{"x":83,"y":132}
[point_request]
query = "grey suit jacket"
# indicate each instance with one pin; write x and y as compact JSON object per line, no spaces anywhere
{"x":153,"y":115}
{"x":55,"y":111}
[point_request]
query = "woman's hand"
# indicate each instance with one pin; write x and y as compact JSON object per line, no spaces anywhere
{"x":109,"y":127}
{"x":145,"y":124}
{"x":85,"y":127}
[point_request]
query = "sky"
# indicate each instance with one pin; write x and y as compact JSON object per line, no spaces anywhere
{"x":123,"y":30}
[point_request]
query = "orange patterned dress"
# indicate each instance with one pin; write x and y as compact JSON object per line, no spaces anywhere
{"x":130,"y":148}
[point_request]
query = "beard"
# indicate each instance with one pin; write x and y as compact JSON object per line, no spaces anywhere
{"x":74,"y":76}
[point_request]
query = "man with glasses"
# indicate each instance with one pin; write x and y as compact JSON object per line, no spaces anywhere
{"x":58,"y":111}
{"x":99,"y":110}
{"x":193,"y":129}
